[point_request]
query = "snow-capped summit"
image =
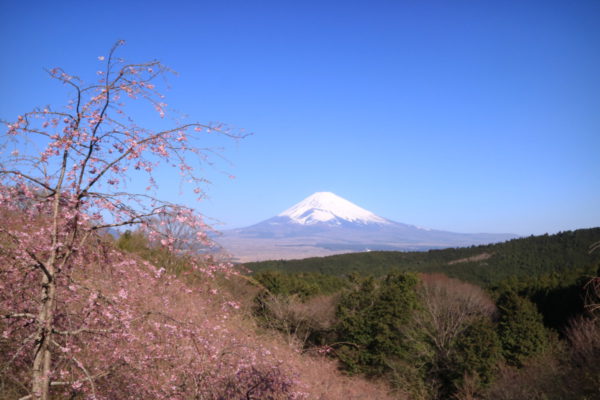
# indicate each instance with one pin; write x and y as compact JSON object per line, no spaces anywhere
{"x":324,"y":224}
{"x":330,"y":208}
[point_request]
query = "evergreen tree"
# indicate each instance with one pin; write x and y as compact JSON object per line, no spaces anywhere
{"x":520,"y":329}
{"x":478,"y":351}
{"x":370,"y":322}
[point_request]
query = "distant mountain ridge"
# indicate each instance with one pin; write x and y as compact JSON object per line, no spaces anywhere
{"x":325,"y":224}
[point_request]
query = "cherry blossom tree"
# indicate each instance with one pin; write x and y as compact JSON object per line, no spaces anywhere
{"x":57,"y":203}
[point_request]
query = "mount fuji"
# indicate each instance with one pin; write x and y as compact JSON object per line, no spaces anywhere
{"x":328,"y":208}
{"x":325,"y":224}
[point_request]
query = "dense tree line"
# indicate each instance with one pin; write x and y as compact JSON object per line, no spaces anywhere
{"x":438,"y":337}
{"x":482,"y":265}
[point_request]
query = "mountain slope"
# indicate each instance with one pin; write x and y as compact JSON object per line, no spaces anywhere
{"x":521,"y":258}
{"x":325,"y":224}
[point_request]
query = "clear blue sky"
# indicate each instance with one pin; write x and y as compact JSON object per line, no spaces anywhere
{"x":458,"y":115}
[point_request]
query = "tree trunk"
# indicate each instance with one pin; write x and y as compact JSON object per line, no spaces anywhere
{"x":42,"y":358}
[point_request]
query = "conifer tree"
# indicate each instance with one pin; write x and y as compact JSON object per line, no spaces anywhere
{"x":520,"y":328}
{"x":478,"y":351}
{"x":371,"y":319}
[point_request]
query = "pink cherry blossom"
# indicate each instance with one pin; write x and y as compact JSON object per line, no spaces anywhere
{"x":78,"y":310}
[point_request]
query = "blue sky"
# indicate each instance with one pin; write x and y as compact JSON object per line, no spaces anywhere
{"x":457,"y":115}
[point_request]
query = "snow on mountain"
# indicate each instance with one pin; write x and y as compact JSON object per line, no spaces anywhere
{"x":325,"y":224}
{"x":328,"y":207}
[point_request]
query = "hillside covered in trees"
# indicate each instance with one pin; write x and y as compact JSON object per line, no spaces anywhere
{"x":483,"y":265}
{"x":512,"y":321}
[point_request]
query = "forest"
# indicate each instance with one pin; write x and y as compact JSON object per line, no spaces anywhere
{"x":482,"y":265}
{"x":517,"y":323}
